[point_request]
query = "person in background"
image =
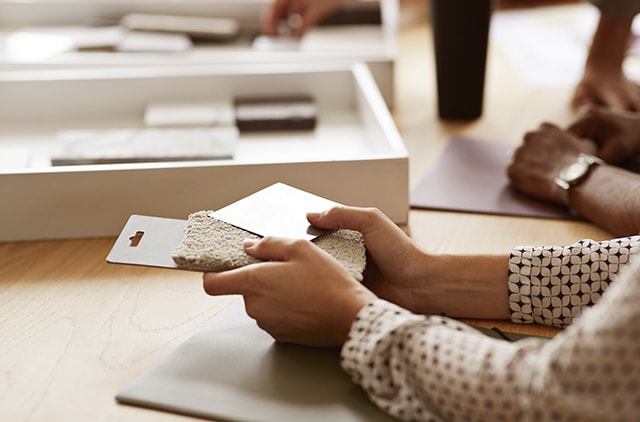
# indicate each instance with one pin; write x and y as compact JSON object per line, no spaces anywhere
{"x":299,"y":15}
{"x":400,"y":343}
{"x":603,"y":82}
{"x":580,"y":167}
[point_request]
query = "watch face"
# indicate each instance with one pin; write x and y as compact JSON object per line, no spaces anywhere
{"x":574,"y":171}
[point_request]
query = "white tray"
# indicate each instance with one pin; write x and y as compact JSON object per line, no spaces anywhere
{"x":354,"y":156}
{"x":376,"y":46}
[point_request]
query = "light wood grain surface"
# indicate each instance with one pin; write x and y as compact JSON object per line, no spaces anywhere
{"x":74,"y":330}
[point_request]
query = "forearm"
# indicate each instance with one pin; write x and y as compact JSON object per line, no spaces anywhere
{"x":464,"y":286}
{"x":618,"y":8}
{"x":609,"y":197}
{"x":609,"y":45}
{"x":520,"y":286}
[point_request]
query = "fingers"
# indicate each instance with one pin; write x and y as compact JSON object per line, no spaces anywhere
{"x":225,"y":283}
{"x":583,"y":125}
{"x":242,"y":280}
{"x":582,"y":97}
{"x":275,"y":13}
{"x":299,"y":16}
{"x":514,"y":169}
{"x":344,"y":217}
{"x":539,"y":137}
{"x":290,"y":11}
{"x":615,"y":92}
{"x":275,"y":248}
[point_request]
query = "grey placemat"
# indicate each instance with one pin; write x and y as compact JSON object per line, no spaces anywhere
{"x":234,"y":371}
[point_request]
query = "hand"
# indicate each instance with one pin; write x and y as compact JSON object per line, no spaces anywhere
{"x":544,"y":152}
{"x":300,"y":295}
{"x":396,"y":269}
{"x":604,"y":82}
{"x":300,"y":15}
{"x":422,"y":282}
{"x":612,"y":89}
{"x":616,"y":134}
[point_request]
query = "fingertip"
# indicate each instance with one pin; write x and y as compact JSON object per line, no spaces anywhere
{"x":207,"y":283}
{"x":248,"y":243}
{"x":325,"y":219}
{"x":313,"y":215}
{"x":582,"y":101}
{"x":222,"y":283}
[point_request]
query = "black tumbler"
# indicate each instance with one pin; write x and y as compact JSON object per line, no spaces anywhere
{"x":460,"y":37}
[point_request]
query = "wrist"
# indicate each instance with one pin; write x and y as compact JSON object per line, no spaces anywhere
{"x":574,"y":174}
{"x":352,"y":303}
{"x":466,"y":286}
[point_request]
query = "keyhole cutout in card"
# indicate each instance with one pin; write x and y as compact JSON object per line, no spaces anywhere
{"x":136,"y":239}
{"x":148,"y":241}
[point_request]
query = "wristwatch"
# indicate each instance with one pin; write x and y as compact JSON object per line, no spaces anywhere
{"x":574,"y":173}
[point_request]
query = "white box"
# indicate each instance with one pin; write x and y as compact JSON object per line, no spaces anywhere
{"x":355,"y":155}
{"x":376,"y":46}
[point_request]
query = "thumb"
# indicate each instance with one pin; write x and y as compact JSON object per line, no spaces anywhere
{"x":224,"y":283}
{"x":340,"y":217}
{"x":239,"y":280}
{"x":273,"y":248}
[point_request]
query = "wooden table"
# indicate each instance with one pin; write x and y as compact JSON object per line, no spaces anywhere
{"x":74,"y":330}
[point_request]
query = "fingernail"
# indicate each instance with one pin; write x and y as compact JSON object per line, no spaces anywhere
{"x":247,"y":243}
{"x":313,"y":215}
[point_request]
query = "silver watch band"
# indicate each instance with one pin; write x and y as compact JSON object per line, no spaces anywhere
{"x":565,"y":185}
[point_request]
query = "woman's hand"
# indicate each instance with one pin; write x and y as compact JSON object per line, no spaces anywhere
{"x":303,"y":295}
{"x":396,"y":267}
{"x":300,"y":294}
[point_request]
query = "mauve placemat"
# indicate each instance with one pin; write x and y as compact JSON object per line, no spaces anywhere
{"x":470,"y":176}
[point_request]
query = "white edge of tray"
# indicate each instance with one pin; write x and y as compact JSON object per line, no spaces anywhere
{"x":49,"y":205}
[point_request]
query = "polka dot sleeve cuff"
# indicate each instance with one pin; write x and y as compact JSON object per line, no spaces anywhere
{"x":552,"y":285}
{"x":388,"y":352}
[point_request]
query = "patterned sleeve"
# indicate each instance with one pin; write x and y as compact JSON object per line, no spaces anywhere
{"x":432,"y":368}
{"x":624,"y":9}
{"x":552,"y":285}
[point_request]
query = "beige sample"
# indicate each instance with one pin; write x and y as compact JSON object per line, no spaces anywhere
{"x":210,"y":244}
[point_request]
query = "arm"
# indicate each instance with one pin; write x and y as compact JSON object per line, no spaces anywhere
{"x":300,"y":15}
{"x":552,"y":285}
{"x":608,"y":196}
{"x":277,"y":291}
{"x":414,"y":366}
{"x":603,"y":81}
{"x":417,"y":367}
{"x":473,"y":286}
{"x":532,"y":285}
